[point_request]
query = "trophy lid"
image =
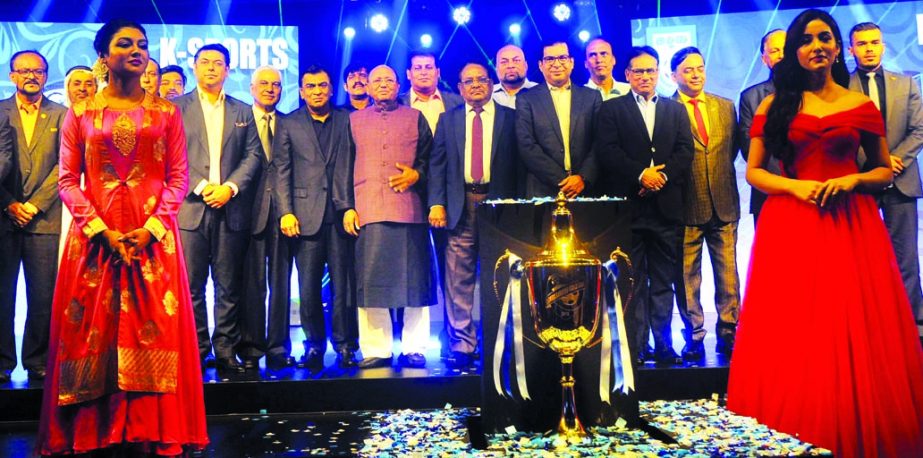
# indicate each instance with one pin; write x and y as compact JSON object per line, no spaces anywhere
{"x":563,"y":247}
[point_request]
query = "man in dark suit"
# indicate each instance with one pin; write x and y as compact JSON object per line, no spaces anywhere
{"x":314,"y":150}
{"x":898,"y":98}
{"x":473,"y":159}
{"x":265,"y":252}
{"x":771,"y":52}
{"x":554,"y":129}
{"x":711,"y":207}
{"x":224,"y":163}
{"x":645,"y":142}
{"x":31,"y":220}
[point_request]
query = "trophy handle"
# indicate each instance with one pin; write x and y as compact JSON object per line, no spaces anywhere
{"x":617,"y":255}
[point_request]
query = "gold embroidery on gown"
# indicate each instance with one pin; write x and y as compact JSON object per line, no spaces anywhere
{"x":123,"y":134}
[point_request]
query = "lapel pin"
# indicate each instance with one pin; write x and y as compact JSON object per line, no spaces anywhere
{"x":43,"y":115}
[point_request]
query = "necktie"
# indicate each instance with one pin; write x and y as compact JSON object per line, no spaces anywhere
{"x":266,"y":135}
{"x":477,"y":146}
{"x":873,"y":90}
{"x":29,"y":108}
{"x":699,"y":121}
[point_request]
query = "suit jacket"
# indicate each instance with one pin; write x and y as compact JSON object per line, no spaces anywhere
{"x":33,"y":174}
{"x":241,"y":158}
{"x":263,"y":193}
{"x":541,"y":144}
{"x":446,"y":185}
{"x":7,"y":134}
{"x":750,"y":100}
{"x":904,"y":128}
{"x":624,"y":150}
{"x":712,"y":183}
{"x":308,"y":176}
{"x":449,"y":99}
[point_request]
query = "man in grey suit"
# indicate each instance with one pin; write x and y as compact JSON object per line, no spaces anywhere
{"x":31,"y":223}
{"x":224,"y":154}
{"x":898,"y":98}
{"x":554,"y":128}
{"x":771,"y":46}
{"x":313,"y":169}
{"x":473,"y":159}
{"x":711,"y":207}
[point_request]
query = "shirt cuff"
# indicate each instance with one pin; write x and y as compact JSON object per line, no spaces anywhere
{"x":155,"y":227}
{"x":94,"y":227}
{"x":200,"y":187}
{"x":234,"y":189}
{"x":664,"y":175}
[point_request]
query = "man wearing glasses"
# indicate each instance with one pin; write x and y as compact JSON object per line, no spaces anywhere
{"x":554,"y":129}
{"x":224,"y":154}
{"x":645,"y":143}
{"x":312,"y":161}
{"x":31,"y":220}
{"x":474,"y":157}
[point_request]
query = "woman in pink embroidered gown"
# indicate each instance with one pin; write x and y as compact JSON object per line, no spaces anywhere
{"x":827,"y":348}
{"x":123,"y":371}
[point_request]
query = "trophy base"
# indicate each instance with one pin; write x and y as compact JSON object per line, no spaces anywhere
{"x":572,"y":431}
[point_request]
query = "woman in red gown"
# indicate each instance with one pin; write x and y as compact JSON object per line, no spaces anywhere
{"x":827,"y":348}
{"x":123,"y":372}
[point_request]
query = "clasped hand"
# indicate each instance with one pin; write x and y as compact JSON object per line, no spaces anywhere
{"x":128,"y":246}
{"x":407,"y":178}
{"x":216,"y":195}
{"x":21,"y":214}
{"x":824,"y":194}
{"x":652,"y":179}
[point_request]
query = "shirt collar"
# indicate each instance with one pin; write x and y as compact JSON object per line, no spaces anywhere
{"x":414,"y":97}
{"x":20,"y":102}
{"x":559,"y":89}
{"x":640,"y":99}
{"x":878,"y":71}
{"x":259,"y":112}
{"x":685,"y":98}
{"x":526,"y":84}
{"x":488,"y":107}
{"x":203,"y":97}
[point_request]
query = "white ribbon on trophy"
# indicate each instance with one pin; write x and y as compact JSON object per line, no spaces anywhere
{"x":512,"y":302}
{"x":624,"y":374}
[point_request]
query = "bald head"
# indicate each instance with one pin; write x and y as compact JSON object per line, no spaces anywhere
{"x":383,"y":84}
{"x":511,"y":66}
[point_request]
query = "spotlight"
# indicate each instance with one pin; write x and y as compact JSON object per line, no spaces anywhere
{"x":426,"y":40}
{"x":583,"y":35}
{"x":561,"y":12}
{"x":349,"y":33}
{"x":515,"y":29}
{"x":379,"y":23}
{"x":461,"y":15}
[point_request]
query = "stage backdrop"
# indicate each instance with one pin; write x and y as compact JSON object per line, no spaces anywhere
{"x":730,"y":43}
{"x":66,"y":45}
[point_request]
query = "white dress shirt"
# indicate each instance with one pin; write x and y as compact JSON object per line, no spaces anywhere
{"x":618,"y":89}
{"x":214,"y":133}
{"x":505,"y":98}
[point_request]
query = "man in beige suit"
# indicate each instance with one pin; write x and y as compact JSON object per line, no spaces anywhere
{"x":711,"y":206}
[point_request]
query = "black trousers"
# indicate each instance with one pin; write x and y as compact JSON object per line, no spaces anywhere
{"x":333,"y":247}
{"x":215,"y":247}
{"x":38,"y":255}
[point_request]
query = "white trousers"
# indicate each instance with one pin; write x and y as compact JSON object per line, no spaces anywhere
{"x":375,"y":333}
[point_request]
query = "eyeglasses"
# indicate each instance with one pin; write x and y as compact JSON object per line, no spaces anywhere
{"x":484,"y":81}
{"x":564,"y":58}
{"x":35,"y":71}
{"x":642,"y":71}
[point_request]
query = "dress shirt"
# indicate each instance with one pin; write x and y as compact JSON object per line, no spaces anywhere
{"x":560,"y":97}
{"x":648,"y":114}
{"x":324,"y":131}
{"x":214,"y":133}
{"x":703,"y":108}
{"x":505,"y":98}
{"x":430,"y":108}
{"x":618,"y":89}
{"x":487,"y":121}
{"x":260,"y":122}
{"x":28,"y":119}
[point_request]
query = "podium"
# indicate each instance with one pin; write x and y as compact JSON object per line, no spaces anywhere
{"x":520,"y":379}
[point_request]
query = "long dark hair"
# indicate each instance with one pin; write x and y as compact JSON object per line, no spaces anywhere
{"x":791,"y":80}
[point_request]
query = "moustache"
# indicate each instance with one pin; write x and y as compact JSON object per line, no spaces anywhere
{"x":358,"y":84}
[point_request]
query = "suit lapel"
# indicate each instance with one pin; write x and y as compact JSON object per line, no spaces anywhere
{"x":638,"y":118}
{"x":660,"y":118}
{"x":499,"y":119}
{"x":334,"y":127}
{"x":695,"y":131}
{"x":230,"y":123}
{"x":16,"y":123}
{"x":459,"y":129}
{"x":576,"y":106}
{"x":714,"y":119}
{"x":41,"y":125}
{"x":307,"y":128}
{"x":890,"y":96}
{"x":854,"y":84}
{"x":198,"y":116}
{"x":547,"y":105}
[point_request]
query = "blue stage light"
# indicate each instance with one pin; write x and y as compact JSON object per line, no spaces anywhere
{"x":349,"y":33}
{"x":515,"y":29}
{"x":461,"y":15}
{"x":379,"y":23}
{"x":583,"y":35}
{"x":426,"y":40}
{"x":561,"y":12}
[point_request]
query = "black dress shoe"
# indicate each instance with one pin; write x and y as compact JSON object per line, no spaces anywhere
{"x":279,"y":362}
{"x":313,"y":360}
{"x":250,"y":363}
{"x":5,"y":376}
{"x":229,"y":365}
{"x":694,"y":351}
{"x":346,"y":358}
{"x":370,"y":363}
{"x":416,"y":360}
{"x":36,"y":374}
{"x":666,"y":356}
{"x":725,"y":345}
{"x":460,"y":360}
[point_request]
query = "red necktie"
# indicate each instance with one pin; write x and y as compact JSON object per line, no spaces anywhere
{"x":699,"y":121}
{"x":477,"y":146}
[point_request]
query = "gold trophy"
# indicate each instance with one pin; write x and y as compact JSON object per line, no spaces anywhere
{"x":564,"y":282}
